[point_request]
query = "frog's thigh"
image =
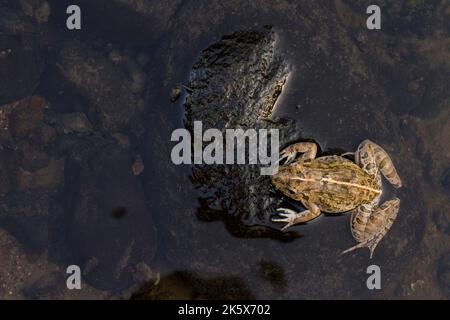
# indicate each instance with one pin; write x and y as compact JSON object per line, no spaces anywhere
{"x":358,"y":221}
{"x":380,"y":220}
{"x":365,"y":158}
{"x":371,"y":157}
{"x":309,"y":149}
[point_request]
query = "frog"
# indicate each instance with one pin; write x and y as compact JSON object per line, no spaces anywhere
{"x":335,"y":184}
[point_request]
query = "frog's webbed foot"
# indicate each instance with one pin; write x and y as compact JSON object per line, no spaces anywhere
{"x":309,"y":150}
{"x":369,"y":227}
{"x":291,"y":217}
{"x":371,"y":158}
{"x":371,"y":244}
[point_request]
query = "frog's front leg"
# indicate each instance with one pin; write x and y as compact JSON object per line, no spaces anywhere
{"x":309,"y":150}
{"x":292,"y":217}
{"x":371,"y":158}
{"x":370,"y":226}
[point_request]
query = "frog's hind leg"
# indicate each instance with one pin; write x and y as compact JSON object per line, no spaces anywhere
{"x":360,"y":217}
{"x":372,"y":159}
{"x":309,"y":150}
{"x":369,"y":227}
{"x":347,"y":154}
{"x":292,"y":217}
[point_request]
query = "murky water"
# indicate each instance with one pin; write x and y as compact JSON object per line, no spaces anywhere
{"x":152,"y":234}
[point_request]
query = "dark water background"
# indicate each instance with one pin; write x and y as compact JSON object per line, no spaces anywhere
{"x":346,"y":84}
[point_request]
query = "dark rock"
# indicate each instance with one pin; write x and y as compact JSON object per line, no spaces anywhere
{"x":175,"y":94}
{"x":75,"y":123}
{"x":14,"y":22}
{"x":48,"y":178}
{"x":30,"y":175}
{"x":45,"y":287}
{"x":8,"y":165}
{"x":42,"y":12}
{"x":21,"y":55}
{"x":102,"y":83}
{"x":235,"y":83}
{"x":25,"y":215}
{"x":33,"y":158}
{"x":27,"y":116}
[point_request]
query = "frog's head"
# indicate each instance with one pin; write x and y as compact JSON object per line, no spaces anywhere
{"x":282,"y":180}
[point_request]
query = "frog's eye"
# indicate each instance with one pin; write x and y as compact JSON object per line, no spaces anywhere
{"x":291,"y":191}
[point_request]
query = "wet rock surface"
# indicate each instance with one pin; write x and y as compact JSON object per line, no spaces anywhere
{"x":236,"y":81}
{"x":234,"y":85}
{"x":112,"y":99}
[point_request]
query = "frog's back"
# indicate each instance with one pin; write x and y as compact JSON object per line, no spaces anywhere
{"x":336,"y":184}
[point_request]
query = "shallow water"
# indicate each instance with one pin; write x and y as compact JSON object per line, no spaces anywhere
{"x":129,"y":232}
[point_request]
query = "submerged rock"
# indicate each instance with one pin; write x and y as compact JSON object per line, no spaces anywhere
{"x":235,"y":84}
{"x":103,"y":83}
{"x":27,"y":116}
{"x":48,"y":178}
{"x":175,"y":94}
{"x":236,"y":81}
{"x":37,"y":9}
{"x":31,"y":175}
{"x":138,"y":166}
{"x":22,"y":53}
{"x":76,"y":123}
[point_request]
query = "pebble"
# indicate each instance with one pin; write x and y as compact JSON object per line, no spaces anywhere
{"x":138,"y":166}
{"x":176,"y":92}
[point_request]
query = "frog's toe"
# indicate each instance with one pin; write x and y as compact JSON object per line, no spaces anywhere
{"x":371,"y":244}
{"x":287,"y":216}
{"x":292,"y":217}
{"x":286,"y":156}
{"x":286,"y":211}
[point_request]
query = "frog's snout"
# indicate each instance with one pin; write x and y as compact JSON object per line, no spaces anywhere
{"x":276,"y":179}
{"x":279,"y":180}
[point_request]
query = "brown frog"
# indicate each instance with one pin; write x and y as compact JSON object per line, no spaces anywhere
{"x":335,"y":184}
